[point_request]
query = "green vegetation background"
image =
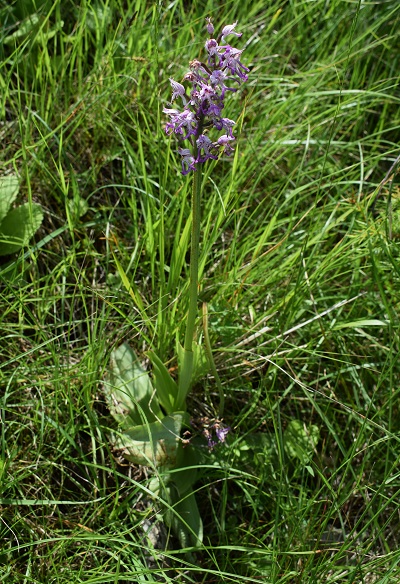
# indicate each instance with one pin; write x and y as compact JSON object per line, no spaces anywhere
{"x":300,"y":270}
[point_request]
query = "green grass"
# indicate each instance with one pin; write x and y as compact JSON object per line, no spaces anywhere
{"x":300,"y":273}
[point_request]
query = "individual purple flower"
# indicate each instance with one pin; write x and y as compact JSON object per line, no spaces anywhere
{"x":204,"y":102}
{"x":188,"y":161}
{"x":224,"y":141}
{"x":226,"y":124}
{"x":231,"y":60}
{"x":204,"y":143}
{"x":222,"y":433}
{"x":213,"y":430}
{"x":217,"y":80}
{"x":180,"y":121}
{"x":229,"y":29}
{"x":211,"y":47}
{"x":178,"y":91}
{"x":174,"y":115}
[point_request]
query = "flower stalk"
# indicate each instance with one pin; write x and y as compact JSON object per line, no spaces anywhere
{"x":194,"y":258}
{"x":186,"y":372}
{"x":201,"y":115}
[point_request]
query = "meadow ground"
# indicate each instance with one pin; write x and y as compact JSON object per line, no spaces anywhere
{"x":299,"y":270}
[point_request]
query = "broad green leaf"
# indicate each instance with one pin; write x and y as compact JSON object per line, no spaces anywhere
{"x":78,"y":207}
{"x":130,"y":394}
{"x":186,"y":472}
{"x":154,"y":444}
{"x":9,"y":187}
{"x":166,"y":387}
{"x":300,"y":441}
{"x":184,"y":518}
{"x":18,"y":227}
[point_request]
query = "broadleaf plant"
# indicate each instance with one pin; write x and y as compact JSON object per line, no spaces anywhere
{"x":18,"y":225}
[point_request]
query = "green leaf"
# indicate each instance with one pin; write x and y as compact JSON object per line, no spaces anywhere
{"x":361,"y":323}
{"x":186,"y":472}
{"x":9,"y":187}
{"x":130,"y":394}
{"x":78,"y":207}
{"x":184,"y":518}
{"x":26,"y":27}
{"x":300,"y":441}
{"x":185,"y":367}
{"x":166,"y":387}
{"x":18,"y":227}
{"x":154,"y":444}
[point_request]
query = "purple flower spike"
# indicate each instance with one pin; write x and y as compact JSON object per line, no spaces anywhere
{"x":203,"y":104}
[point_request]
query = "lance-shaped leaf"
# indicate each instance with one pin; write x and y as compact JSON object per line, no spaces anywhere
{"x":166,"y":387}
{"x":191,"y":365}
{"x":154,"y":444}
{"x":130,"y":394}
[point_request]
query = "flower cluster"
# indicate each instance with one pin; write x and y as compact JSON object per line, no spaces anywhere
{"x":202,"y":108}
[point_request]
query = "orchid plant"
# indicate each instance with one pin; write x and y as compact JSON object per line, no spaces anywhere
{"x":152,"y":411}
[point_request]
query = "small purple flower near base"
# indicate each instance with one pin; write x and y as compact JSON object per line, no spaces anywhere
{"x":220,"y":430}
{"x":212,"y":429}
{"x":203,"y":105}
{"x":222,"y":433}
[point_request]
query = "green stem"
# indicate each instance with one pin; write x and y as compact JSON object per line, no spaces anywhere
{"x":186,"y":369}
{"x":194,"y":263}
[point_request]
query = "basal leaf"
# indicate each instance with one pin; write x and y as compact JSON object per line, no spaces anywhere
{"x":154,"y":444}
{"x":129,"y":391}
{"x":184,"y":518}
{"x":18,"y":226}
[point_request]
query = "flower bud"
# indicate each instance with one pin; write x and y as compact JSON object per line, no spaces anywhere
{"x":210,"y":26}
